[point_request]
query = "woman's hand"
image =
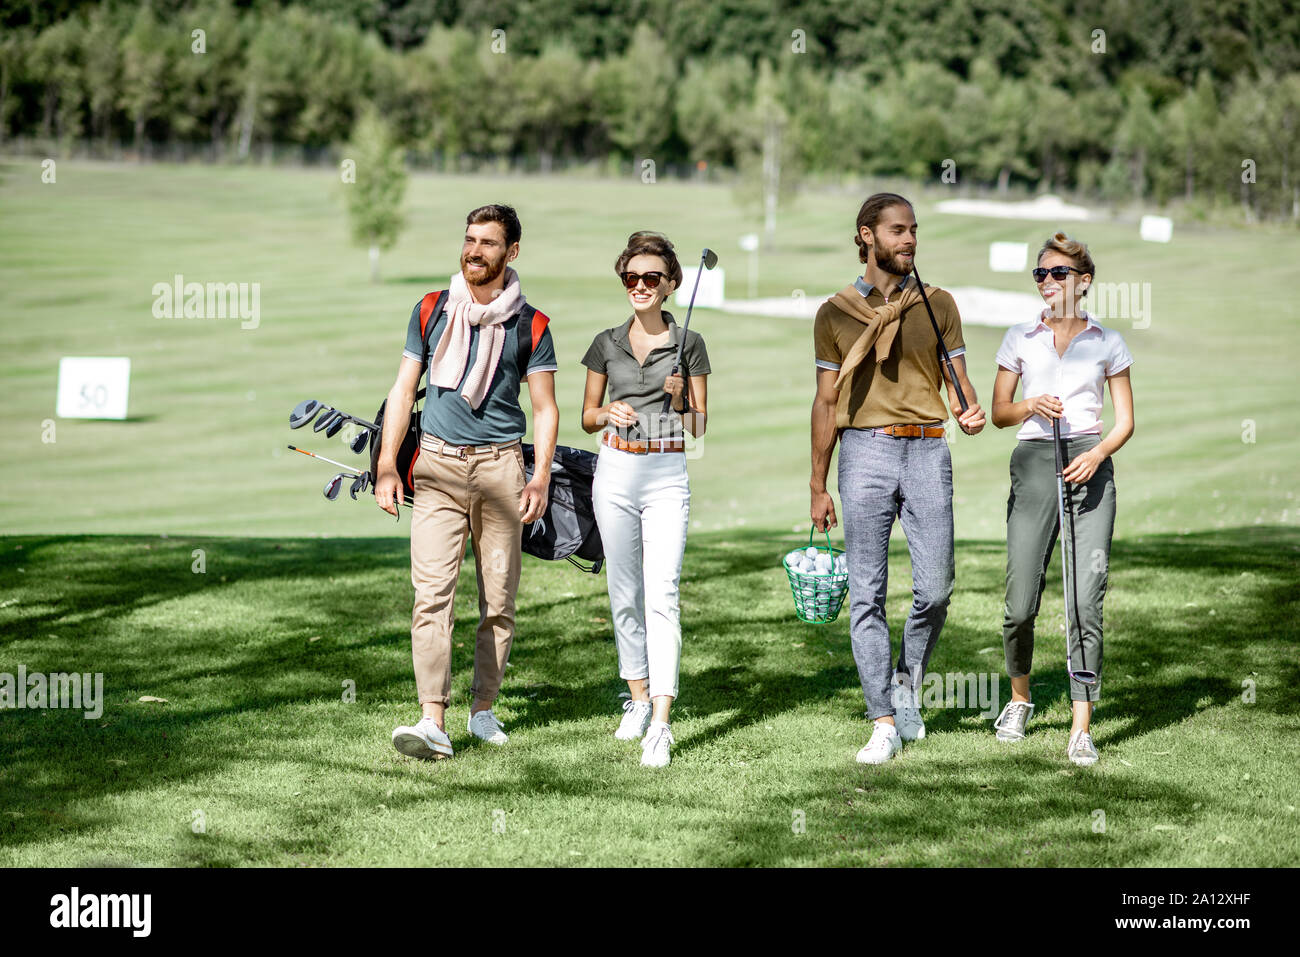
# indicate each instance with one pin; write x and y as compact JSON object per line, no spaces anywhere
{"x":675,"y":385}
{"x":1048,"y":406}
{"x":1084,"y":466}
{"x":620,"y":414}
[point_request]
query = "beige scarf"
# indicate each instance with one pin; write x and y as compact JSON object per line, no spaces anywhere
{"x":447,"y":364}
{"x":881,"y":325}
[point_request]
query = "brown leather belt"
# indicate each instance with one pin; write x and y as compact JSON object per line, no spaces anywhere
{"x":614,"y":441}
{"x":911,"y":431}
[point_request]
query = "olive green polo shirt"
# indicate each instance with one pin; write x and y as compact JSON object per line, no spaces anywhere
{"x":908,"y":387}
{"x":642,"y":386}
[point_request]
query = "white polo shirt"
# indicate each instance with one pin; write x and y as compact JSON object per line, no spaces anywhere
{"x":1076,"y":378}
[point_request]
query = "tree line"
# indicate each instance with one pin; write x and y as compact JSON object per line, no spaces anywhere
{"x":1197,"y":102}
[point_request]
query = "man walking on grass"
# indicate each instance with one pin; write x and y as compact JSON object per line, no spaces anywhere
{"x":878,"y":378}
{"x":481,"y":340}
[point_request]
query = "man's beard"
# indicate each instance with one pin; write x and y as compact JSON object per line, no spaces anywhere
{"x":492,"y":271}
{"x":889,"y":261}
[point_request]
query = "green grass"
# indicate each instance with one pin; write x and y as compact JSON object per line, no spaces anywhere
{"x":252,"y":656}
{"x":255,"y":733}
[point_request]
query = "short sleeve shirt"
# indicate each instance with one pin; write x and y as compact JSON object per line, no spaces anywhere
{"x":642,"y":386}
{"x":1076,"y":378}
{"x":905,"y":388}
{"x":500,"y":418}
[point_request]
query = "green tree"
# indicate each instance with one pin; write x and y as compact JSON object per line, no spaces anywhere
{"x":148,"y":52}
{"x":374,"y":198}
{"x":634,"y":93}
{"x":57,"y":59}
{"x":706,"y":111}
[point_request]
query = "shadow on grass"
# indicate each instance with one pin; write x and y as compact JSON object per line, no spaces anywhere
{"x":238,"y":654}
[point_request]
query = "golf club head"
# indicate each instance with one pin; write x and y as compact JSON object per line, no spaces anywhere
{"x":302,"y":413}
{"x":358,"y":444}
{"x":710,"y":258}
{"x":1084,"y":677}
{"x":359,"y":484}
{"x":324,"y":419}
{"x":332,"y":487}
{"x":333,"y":428}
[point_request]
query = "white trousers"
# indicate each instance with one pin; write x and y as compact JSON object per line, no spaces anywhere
{"x":642,"y":505}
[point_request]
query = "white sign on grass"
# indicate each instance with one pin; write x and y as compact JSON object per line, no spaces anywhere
{"x":1157,"y":229}
{"x":1008,"y":257}
{"x":93,"y":387}
{"x":711,"y":288}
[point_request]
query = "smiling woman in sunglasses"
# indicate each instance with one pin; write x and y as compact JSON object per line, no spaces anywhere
{"x":1063,"y":359}
{"x":641,"y":493}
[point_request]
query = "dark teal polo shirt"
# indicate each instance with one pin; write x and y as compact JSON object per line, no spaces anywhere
{"x":642,"y":386}
{"x":499,"y":418}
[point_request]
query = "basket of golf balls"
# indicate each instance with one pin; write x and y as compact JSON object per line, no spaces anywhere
{"x":819,"y":580}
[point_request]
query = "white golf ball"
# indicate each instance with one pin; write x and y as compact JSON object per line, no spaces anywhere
{"x":810,"y":551}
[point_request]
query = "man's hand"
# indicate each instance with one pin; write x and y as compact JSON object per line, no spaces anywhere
{"x":532,"y":502}
{"x":388,"y":490}
{"x":823,"y":511}
{"x":972,"y":420}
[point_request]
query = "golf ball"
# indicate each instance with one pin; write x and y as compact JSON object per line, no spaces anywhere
{"x":810,"y":551}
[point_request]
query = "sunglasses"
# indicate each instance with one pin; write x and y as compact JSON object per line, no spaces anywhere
{"x":1057,"y":272}
{"x":651,"y":279}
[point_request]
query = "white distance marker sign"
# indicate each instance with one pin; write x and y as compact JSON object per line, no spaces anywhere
{"x":93,"y":387}
{"x":1008,"y":257}
{"x":710,"y":295}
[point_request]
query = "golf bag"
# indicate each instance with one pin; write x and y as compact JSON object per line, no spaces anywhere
{"x":568,"y":526}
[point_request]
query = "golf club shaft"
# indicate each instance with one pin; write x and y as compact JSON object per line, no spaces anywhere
{"x":681,"y":343}
{"x":943,"y":349}
{"x":350,"y":468}
{"x":1066,"y":545}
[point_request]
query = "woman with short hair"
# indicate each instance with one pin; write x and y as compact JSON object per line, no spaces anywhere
{"x":1063,"y":359}
{"x":641,"y":492}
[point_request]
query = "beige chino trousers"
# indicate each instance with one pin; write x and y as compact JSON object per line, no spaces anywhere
{"x":459,"y":492}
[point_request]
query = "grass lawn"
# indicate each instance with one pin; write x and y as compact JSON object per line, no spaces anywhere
{"x":301,"y":598}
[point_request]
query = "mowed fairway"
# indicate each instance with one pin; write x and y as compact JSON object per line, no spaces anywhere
{"x":257,"y":758}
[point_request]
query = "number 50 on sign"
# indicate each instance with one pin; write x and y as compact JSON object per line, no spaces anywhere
{"x":93,"y":387}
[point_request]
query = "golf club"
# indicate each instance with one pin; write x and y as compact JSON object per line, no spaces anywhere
{"x":333,"y":428}
{"x":359,"y":484}
{"x":358,"y":444}
{"x":943,"y":349}
{"x":708,"y":259}
{"x":1083,"y":675}
{"x":302,"y":413}
{"x":324,"y":420}
{"x":333,"y":485}
{"x":351,"y":473}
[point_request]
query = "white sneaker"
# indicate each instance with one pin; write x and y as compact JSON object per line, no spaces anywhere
{"x":907,"y":716}
{"x":1081,"y":750}
{"x":1010,"y":725}
{"x":655,"y":747}
{"x":485,"y":726}
{"x":636,"y":718}
{"x":424,"y":740}
{"x":884,"y":744}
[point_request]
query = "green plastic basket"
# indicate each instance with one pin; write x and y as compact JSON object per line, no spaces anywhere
{"x":818,"y":597}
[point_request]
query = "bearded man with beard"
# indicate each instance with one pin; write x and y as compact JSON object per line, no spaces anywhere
{"x":878,"y":381}
{"x":481,"y":339}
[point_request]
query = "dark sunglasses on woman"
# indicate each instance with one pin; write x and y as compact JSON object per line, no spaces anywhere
{"x":1058,"y":273}
{"x":651,"y":279}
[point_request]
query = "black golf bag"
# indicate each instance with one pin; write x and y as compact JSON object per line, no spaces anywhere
{"x":568,"y":526}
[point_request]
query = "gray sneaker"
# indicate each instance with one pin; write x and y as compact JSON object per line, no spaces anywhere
{"x":1010,"y":725}
{"x":1081,"y":750}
